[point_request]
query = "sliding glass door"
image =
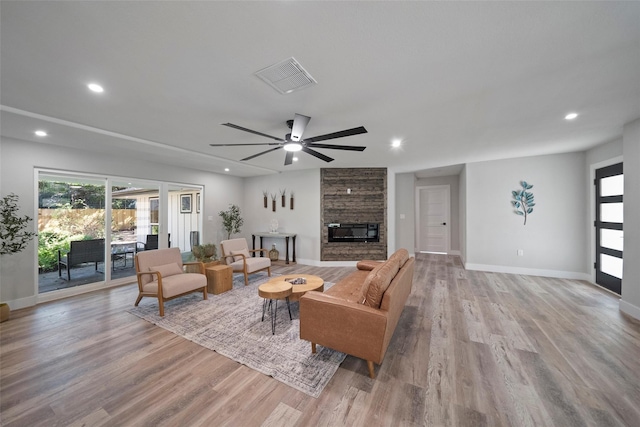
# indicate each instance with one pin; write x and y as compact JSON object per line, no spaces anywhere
{"x":71,"y":231}
{"x":134,"y":223}
{"x":90,"y":228}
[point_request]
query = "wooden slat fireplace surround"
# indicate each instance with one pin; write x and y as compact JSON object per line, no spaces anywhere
{"x":357,"y":195}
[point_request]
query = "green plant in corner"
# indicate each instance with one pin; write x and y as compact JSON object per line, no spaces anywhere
{"x":13,"y":234}
{"x":231,"y":220}
{"x":524,"y":201}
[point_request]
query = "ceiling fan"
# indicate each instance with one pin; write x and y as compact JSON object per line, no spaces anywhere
{"x":293,"y":141}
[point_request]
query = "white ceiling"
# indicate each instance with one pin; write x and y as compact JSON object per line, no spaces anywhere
{"x":456,"y":81}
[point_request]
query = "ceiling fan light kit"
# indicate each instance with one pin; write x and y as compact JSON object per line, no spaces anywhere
{"x":293,"y":142}
{"x":292,"y":146}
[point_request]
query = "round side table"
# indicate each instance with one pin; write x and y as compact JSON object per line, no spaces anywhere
{"x":274,"y":291}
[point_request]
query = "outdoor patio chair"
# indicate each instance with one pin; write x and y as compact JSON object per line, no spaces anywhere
{"x":161,"y":275}
{"x":151,"y":243}
{"x":80,"y":252}
{"x":236,"y":253}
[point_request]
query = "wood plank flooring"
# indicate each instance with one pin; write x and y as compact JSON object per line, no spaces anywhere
{"x":471,"y":349}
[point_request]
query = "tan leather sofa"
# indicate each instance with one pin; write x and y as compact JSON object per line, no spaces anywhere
{"x":359,"y":314}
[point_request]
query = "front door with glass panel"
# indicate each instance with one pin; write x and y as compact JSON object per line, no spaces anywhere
{"x":609,"y":184}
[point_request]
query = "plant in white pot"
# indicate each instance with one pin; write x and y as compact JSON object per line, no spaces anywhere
{"x":14,"y":236}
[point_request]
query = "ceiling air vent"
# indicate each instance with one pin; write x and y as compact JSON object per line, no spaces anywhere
{"x":286,"y":76}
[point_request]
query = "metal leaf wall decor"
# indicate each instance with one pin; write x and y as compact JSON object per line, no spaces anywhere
{"x":523,"y":200}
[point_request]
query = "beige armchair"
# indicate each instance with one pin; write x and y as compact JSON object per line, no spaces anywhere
{"x":161,"y":275}
{"x":236,"y":254}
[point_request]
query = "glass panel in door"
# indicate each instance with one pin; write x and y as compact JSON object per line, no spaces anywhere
{"x":71,"y":231}
{"x":609,"y":184}
{"x":134,"y":218}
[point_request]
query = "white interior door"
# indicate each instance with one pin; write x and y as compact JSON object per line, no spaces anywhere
{"x":433,"y":218}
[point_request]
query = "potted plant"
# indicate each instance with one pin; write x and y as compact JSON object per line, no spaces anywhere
{"x":14,"y":236}
{"x":205,"y":253}
{"x":231,"y":220}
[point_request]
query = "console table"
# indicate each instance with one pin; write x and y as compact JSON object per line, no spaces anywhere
{"x":284,"y":236}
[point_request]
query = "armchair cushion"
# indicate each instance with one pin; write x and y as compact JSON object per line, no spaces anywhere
{"x":253,"y":264}
{"x":244,"y":252}
{"x":167,"y":270}
{"x":176,"y":284}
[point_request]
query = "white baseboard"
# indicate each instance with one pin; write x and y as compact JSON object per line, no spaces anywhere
{"x":630,"y":309}
{"x":17,"y":304}
{"x":316,"y":263}
{"x":574,"y":275}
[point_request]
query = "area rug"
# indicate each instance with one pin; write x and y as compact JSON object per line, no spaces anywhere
{"x":230,"y":324}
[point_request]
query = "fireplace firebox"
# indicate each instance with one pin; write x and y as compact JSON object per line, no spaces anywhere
{"x":354,"y":232}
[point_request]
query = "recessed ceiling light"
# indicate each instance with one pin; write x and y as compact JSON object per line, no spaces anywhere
{"x":95,"y":87}
{"x":226,"y":169}
{"x":396,"y":143}
{"x":571,"y":116}
{"x":295,"y":159}
{"x":40,"y":133}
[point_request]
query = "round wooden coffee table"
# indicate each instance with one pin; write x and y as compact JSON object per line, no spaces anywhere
{"x":271,"y":291}
{"x":314,"y":283}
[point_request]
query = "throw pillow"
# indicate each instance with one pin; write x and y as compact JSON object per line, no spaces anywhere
{"x":377,"y":282}
{"x":244,"y":252}
{"x":402,"y":255}
{"x":167,"y":270}
{"x":368,"y":264}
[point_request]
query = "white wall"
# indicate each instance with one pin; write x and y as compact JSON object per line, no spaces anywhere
{"x":630,"y":302}
{"x":18,"y":275}
{"x":553,"y":241}
{"x":304,"y":219}
{"x":404,"y":205}
{"x":603,"y":152}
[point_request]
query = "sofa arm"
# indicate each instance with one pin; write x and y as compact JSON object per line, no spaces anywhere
{"x":344,"y":326}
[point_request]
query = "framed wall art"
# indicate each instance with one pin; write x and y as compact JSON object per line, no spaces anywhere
{"x":185,"y":203}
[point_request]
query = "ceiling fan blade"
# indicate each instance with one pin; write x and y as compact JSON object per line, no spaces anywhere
{"x":300,"y":122}
{"x":288,"y":159}
{"x":341,"y":134}
{"x":231,"y":125}
{"x":239,"y":145}
{"x":316,"y":154}
{"x":337,"y":147}
{"x":260,"y":154}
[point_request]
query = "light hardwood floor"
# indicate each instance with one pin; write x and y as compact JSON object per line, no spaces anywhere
{"x":471,"y":349}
